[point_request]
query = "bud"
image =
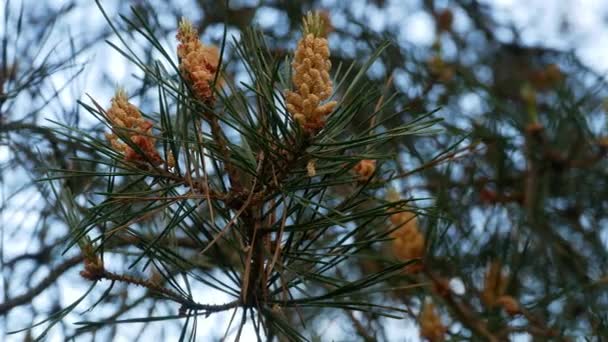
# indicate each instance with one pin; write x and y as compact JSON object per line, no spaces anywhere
{"x":170,"y":159}
{"x":365,"y":169}
{"x":444,"y":20}
{"x":441,"y":287}
{"x":440,"y":69}
{"x":93,"y":268}
{"x":311,"y":169}
{"x":509,"y":304}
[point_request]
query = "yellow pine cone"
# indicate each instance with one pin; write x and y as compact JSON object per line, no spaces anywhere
{"x":494,"y":286}
{"x":122,"y":115}
{"x":408,"y":242}
{"x":431,"y":327}
{"x":311,"y":79}
{"x":365,"y":169}
{"x":198,"y":63}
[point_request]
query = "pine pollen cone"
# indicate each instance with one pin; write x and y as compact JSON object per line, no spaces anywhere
{"x":125,"y":117}
{"x":198,"y":63}
{"x":431,"y":327}
{"x":312,"y":84}
{"x":408,"y":241}
{"x":494,"y":286}
{"x":365,"y":169}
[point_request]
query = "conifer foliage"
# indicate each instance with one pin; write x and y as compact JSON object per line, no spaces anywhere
{"x":245,"y":198}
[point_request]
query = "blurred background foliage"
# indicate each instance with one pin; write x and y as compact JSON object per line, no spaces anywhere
{"x":517,"y":177}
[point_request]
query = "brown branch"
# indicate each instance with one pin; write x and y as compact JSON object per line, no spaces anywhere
{"x":464,"y":313}
{"x":43,"y":285}
{"x":448,"y":157}
{"x":65,"y":266}
{"x":359,"y":328}
{"x":254,"y":278}
{"x":170,"y":294}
